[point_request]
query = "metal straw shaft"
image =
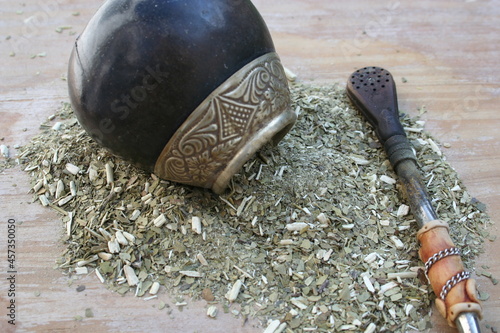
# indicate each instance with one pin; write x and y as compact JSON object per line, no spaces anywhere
{"x":416,"y":192}
{"x":468,"y":322}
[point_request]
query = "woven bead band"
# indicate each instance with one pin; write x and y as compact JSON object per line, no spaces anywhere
{"x":452,"y":283}
{"x":453,"y":251}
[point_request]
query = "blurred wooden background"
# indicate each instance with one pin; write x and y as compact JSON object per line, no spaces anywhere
{"x":448,"y":51}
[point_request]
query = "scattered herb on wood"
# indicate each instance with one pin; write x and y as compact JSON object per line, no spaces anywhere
{"x":313,"y":234}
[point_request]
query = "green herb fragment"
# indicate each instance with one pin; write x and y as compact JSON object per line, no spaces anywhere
{"x":89,"y":313}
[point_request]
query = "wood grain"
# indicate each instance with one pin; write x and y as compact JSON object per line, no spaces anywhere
{"x":448,"y":51}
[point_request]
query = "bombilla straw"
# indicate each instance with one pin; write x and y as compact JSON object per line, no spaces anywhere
{"x":373,"y":91}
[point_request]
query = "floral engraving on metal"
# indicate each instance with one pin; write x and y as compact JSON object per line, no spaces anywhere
{"x":235,"y":112}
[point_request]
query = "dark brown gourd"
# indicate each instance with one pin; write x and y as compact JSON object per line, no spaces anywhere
{"x":140,"y":69}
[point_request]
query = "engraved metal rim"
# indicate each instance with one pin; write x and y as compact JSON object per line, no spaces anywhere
{"x":249,"y":109}
{"x":273,"y":132}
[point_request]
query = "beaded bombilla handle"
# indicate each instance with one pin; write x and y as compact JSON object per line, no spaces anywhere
{"x":373,"y":91}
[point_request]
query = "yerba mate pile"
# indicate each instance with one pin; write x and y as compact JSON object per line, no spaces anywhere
{"x":313,"y":234}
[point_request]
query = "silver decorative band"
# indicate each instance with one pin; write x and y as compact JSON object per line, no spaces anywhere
{"x":452,"y":282}
{"x":248,"y":110}
{"x":453,"y":251}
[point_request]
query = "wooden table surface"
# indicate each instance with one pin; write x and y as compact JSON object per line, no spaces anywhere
{"x":448,"y":51}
